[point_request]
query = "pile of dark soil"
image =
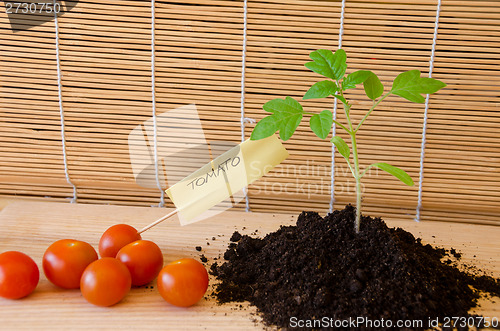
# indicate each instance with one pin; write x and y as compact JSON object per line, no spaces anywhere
{"x":320,"y":271}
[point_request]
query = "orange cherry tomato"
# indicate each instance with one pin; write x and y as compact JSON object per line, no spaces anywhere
{"x":183,"y":282}
{"x":143,"y":259}
{"x":19,"y":275}
{"x":114,"y":238}
{"x":65,"y":260}
{"x":105,"y":282}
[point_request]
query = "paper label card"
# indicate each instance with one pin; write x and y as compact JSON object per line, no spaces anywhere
{"x":224,"y":177}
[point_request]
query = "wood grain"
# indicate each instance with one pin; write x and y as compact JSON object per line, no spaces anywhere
{"x":32,"y":226}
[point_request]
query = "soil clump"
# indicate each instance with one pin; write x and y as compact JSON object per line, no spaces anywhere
{"x":321,"y":270}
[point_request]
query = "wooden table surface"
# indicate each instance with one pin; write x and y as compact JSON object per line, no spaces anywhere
{"x":31,"y":227}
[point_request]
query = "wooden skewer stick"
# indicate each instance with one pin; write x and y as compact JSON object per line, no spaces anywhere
{"x":147,"y":227}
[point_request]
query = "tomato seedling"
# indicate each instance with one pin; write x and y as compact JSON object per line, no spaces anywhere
{"x":105,"y":282}
{"x":143,"y":259}
{"x":286,"y":114}
{"x":65,"y":260}
{"x":183,"y":282}
{"x":115,"y":237}
{"x":19,"y":275}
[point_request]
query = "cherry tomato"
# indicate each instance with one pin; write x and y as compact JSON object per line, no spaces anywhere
{"x":65,"y":260}
{"x":105,"y":282}
{"x":143,"y":259}
{"x":19,"y":275}
{"x":183,"y":282}
{"x":114,"y":238}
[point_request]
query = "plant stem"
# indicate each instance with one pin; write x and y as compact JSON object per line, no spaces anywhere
{"x":375,"y":104}
{"x":356,"y":172}
{"x":365,"y":171}
{"x":343,"y":127}
{"x":357,"y":177}
{"x":357,"y":222}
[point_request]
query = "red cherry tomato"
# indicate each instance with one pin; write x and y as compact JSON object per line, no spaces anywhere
{"x":19,"y":275}
{"x":65,"y":260}
{"x":105,"y":282}
{"x":114,"y":238}
{"x":143,"y":259}
{"x":183,"y":282}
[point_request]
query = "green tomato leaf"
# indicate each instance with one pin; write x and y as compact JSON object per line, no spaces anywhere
{"x":288,"y":105}
{"x":410,"y":86}
{"x":265,"y":128}
{"x":321,"y":123}
{"x":288,"y":123}
{"x":373,"y":86}
{"x":355,"y":78}
{"x":321,"y":90}
{"x":287,"y":114}
{"x":396,"y":172}
{"x":328,"y":64}
{"x":341,"y":147}
{"x":339,"y":64}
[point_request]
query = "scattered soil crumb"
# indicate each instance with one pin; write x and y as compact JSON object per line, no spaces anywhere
{"x":235,"y":237}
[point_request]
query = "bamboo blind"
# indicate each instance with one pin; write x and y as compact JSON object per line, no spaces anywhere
{"x":106,"y":66}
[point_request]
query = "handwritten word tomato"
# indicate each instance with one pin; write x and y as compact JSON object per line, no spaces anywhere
{"x":114,"y":238}
{"x":19,"y":275}
{"x":183,"y":282}
{"x":65,"y":260}
{"x":105,"y":282}
{"x":143,"y":259}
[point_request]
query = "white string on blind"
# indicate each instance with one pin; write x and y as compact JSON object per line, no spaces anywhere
{"x":153,"y":105}
{"x":242,"y":102}
{"x":61,"y":109}
{"x":332,"y":164}
{"x":426,"y":111}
